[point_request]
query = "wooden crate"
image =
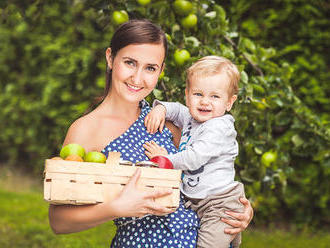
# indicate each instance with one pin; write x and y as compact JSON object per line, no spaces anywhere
{"x":78,"y":183}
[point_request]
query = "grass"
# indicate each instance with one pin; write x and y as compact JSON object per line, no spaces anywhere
{"x":24,"y":223}
{"x":282,"y":239}
{"x":24,"y":218}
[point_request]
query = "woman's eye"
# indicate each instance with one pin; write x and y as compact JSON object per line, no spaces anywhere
{"x":151,"y":69}
{"x":197,"y":94}
{"x":216,"y":96}
{"x":129,"y":62}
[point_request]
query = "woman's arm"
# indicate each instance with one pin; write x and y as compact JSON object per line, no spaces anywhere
{"x":70,"y":218}
{"x":130,"y":202}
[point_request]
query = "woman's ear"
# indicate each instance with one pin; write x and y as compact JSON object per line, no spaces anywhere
{"x":230,"y":103}
{"x":108,"y":57}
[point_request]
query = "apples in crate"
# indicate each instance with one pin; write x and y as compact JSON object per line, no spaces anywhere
{"x":73,"y":182}
{"x":75,"y":152}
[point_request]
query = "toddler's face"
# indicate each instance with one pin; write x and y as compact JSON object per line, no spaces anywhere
{"x":207,"y":97}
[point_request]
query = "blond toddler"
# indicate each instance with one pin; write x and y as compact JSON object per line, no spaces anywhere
{"x":208,"y":146}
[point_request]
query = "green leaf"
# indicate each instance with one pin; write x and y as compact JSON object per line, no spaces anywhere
{"x":158,"y":94}
{"x":297,"y":140}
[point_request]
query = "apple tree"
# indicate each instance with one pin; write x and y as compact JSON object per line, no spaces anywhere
{"x":52,"y":66}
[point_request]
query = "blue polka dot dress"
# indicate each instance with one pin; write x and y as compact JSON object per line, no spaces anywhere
{"x":176,"y":230}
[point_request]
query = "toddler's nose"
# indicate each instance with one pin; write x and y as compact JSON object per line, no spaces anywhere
{"x":204,"y":101}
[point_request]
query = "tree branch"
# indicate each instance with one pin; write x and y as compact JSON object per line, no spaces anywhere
{"x":246,"y":58}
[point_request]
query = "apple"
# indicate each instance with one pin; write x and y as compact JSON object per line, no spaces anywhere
{"x":56,"y":158}
{"x":95,"y":157}
{"x":268,"y":158}
{"x":70,"y":149}
{"x":189,"y":21}
{"x":182,"y":7}
{"x":181,"y":56}
{"x":74,"y":157}
{"x":168,"y":37}
{"x":119,"y":16}
{"x":163,"y":162}
{"x":143,"y":2}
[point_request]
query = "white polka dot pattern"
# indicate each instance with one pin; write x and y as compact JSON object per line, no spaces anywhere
{"x":176,"y":230}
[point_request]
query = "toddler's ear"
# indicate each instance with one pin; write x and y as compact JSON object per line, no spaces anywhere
{"x":187,"y":98}
{"x":231,"y":102}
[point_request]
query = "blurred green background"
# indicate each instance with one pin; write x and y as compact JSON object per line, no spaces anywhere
{"x":52,"y":66}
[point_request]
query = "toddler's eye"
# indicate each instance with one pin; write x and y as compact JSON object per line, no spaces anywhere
{"x":216,"y":96}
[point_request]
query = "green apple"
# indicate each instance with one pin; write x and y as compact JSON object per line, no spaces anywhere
{"x":182,"y":7}
{"x":189,"y":21}
{"x":72,"y":149}
{"x":168,"y":37}
{"x":268,"y":158}
{"x":143,"y":2}
{"x":181,"y":56}
{"x":119,"y":17}
{"x":95,"y":157}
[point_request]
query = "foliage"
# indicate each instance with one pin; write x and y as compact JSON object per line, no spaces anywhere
{"x":52,"y":65}
{"x":305,"y":49}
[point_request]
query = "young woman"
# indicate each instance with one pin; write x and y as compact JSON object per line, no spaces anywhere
{"x":135,"y":59}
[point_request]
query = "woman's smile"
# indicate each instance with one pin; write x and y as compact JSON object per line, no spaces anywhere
{"x":133,"y":88}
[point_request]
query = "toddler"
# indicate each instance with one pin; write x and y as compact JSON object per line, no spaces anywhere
{"x":208,"y":146}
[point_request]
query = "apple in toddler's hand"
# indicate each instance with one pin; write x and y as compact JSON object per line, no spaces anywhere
{"x":163,"y":162}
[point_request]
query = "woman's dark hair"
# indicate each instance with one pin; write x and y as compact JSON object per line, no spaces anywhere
{"x":134,"y":32}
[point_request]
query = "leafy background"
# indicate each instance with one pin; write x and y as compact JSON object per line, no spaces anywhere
{"x":52,"y":67}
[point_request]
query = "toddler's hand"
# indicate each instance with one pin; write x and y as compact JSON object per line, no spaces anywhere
{"x":155,"y":119}
{"x":153,"y":149}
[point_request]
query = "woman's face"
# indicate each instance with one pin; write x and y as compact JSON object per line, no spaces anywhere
{"x":135,"y":70}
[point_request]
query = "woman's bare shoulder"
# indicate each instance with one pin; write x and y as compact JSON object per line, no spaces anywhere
{"x":80,"y":130}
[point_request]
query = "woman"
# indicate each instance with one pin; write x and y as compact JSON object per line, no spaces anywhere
{"x":135,"y":60}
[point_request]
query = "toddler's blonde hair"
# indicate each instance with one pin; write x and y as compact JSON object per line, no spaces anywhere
{"x":212,"y":65}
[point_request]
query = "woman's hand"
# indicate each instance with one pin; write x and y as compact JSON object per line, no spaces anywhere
{"x":241,"y":221}
{"x":133,"y":202}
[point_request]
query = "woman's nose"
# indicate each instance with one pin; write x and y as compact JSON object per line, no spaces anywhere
{"x":137,"y":76}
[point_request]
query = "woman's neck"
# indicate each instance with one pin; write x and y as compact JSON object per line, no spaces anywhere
{"x":117,"y":107}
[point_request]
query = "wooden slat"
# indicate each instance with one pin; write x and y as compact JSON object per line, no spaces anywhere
{"x":113,"y":158}
{"x":70,"y":182}
{"x":73,"y":167}
{"x":47,"y":186}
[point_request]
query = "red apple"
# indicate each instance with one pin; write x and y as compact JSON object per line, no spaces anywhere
{"x":163,"y":162}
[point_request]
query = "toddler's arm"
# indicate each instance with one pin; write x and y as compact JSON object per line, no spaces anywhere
{"x":216,"y":137}
{"x":155,"y":120}
{"x":171,"y":111}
